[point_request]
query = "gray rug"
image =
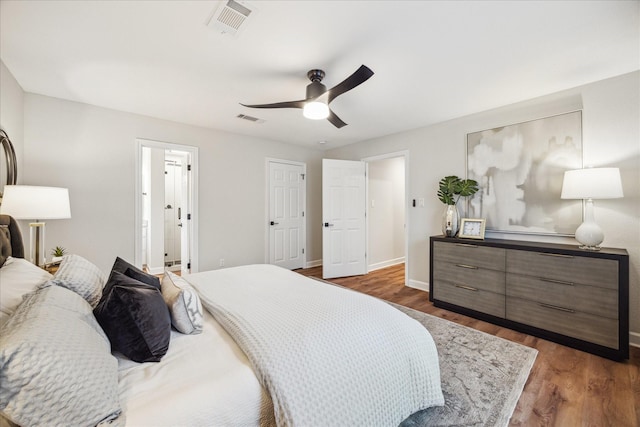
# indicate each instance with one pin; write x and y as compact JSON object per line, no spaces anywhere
{"x":482,"y":375}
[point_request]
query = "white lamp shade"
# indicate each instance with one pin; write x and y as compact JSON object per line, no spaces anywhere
{"x":592,"y":183}
{"x":315,"y":110}
{"x":35,"y":203}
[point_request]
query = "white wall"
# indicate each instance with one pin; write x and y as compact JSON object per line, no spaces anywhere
{"x":611,"y":137}
{"x":91,"y":151}
{"x":11,"y":119}
{"x":386,"y":212}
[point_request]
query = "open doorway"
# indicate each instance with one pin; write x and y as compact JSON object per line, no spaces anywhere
{"x":166,"y":203}
{"x":387,"y":205}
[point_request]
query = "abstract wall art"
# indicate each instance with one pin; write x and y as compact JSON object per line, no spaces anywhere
{"x":520,"y":168}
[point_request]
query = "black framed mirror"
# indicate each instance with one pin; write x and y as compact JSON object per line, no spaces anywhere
{"x":10,"y":161}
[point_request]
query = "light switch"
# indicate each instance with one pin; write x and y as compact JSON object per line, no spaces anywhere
{"x":373,"y":203}
{"x":421,"y":202}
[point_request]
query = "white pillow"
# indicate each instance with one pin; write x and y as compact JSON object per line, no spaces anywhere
{"x":56,"y":364}
{"x":17,"y":278}
{"x":183,"y":302}
{"x":82,"y":277}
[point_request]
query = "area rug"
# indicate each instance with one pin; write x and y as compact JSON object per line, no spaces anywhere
{"x":482,"y":375}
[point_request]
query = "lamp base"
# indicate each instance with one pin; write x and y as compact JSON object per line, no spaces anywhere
{"x":36,"y":243}
{"x":589,"y":248}
{"x":589,"y":233}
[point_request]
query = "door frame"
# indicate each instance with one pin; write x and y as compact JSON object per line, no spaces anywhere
{"x":405,"y":155}
{"x":267,"y":201}
{"x":193,"y":230}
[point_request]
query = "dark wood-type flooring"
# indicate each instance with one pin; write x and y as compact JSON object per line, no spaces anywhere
{"x":566,"y":387}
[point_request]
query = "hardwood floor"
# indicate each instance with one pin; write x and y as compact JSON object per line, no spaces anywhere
{"x":566,"y":387}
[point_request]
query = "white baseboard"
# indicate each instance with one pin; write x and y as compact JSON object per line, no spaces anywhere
{"x":634,"y":339}
{"x":315,"y":263}
{"x":384,"y":264}
{"x":417,"y":284}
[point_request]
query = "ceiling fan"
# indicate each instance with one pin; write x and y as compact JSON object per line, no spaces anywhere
{"x":316,"y":104}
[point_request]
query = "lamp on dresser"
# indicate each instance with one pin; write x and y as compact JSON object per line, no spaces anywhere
{"x":589,"y":184}
{"x":36,"y":203}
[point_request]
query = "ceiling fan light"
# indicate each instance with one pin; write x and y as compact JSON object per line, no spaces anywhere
{"x":316,"y":110}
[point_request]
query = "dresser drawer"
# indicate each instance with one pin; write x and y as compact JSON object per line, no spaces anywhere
{"x":598,"y":272}
{"x":462,"y":274}
{"x":478,"y":299}
{"x":583,"y":326}
{"x":475,"y":255}
{"x":588,"y":299}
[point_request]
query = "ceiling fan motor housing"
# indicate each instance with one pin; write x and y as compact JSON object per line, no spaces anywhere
{"x":315,"y":88}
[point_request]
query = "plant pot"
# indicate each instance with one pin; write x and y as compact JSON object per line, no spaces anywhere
{"x":56,"y":259}
{"x":450,"y":221}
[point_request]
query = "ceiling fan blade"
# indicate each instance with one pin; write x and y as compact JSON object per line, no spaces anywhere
{"x":335,"y":120}
{"x":360,"y":76}
{"x":286,"y":104}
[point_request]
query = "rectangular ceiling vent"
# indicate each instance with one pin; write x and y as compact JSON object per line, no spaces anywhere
{"x":250,"y":118}
{"x":230,"y":17}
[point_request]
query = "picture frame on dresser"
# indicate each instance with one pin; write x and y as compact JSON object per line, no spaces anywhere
{"x":557,"y":292}
{"x":472,"y":228}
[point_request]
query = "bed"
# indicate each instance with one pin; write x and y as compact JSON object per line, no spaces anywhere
{"x":245,"y":346}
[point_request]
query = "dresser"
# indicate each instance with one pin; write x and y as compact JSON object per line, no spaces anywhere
{"x":557,"y":292}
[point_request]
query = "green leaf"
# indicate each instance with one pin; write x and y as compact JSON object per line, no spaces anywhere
{"x":468,"y":187}
{"x":448,"y":189}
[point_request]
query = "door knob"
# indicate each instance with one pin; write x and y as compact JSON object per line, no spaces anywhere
{"x":274,"y":223}
{"x":326,"y":224}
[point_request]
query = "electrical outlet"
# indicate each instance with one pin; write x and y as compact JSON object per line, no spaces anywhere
{"x":221,"y":262}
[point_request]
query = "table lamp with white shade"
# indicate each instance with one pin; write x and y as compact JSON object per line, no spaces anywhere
{"x":36,"y":203}
{"x":589,"y":184}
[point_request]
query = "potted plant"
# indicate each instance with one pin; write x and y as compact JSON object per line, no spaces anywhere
{"x":450,"y":190}
{"x":57,"y":253}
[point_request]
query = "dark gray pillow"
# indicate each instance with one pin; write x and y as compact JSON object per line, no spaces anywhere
{"x":135,"y":318}
{"x":134,"y":272}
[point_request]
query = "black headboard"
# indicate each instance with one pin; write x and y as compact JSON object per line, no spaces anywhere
{"x":17,"y":247}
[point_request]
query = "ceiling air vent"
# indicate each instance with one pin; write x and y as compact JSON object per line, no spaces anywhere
{"x":229,"y":17}
{"x":250,"y":118}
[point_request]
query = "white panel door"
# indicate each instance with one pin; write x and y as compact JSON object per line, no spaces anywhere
{"x":343,"y":215}
{"x":286,"y":215}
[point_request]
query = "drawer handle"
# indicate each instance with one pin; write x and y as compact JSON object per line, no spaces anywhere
{"x":555,"y":255}
{"x":559,"y":282}
{"x":472,"y":267}
{"x":469,"y":288}
{"x":466,"y":245}
{"x":555,"y":307}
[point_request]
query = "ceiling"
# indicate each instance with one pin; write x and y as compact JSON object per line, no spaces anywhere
{"x":433,"y":60}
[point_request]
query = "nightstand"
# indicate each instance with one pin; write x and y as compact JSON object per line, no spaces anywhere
{"x":51,"y":267}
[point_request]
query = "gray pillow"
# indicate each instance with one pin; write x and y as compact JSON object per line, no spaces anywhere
{"x":82,"y":277}
{"x":56,"y":366}
{"x":183,"y":302}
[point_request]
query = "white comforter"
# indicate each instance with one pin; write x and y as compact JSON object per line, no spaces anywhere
{"x":203,"y":380}
{"x":328,"y":356}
